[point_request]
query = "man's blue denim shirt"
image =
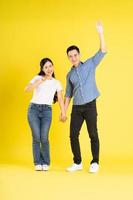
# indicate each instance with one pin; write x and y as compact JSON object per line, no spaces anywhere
{"x":81,"y":83}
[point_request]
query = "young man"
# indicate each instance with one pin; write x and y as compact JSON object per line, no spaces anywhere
{"x":82,"y":87}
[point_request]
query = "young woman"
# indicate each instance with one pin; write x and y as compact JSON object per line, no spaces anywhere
{"x":46,"y":91}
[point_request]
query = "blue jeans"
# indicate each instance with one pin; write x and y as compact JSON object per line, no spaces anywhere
{"x":39,"y":118}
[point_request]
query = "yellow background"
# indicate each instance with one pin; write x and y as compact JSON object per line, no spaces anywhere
{"x":31,"y":30}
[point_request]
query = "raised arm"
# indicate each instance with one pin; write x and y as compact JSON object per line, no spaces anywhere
{"x":100,"y":31}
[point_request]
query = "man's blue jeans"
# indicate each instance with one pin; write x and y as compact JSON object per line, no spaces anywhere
{"x":39,"y":118}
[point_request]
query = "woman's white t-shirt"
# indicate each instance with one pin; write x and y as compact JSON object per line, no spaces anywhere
{"x":44,"y":93}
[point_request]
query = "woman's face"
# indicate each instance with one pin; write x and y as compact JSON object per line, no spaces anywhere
{"x":48,"y":68}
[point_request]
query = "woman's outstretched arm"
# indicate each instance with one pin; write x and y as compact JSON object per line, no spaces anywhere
{"x":31,"y":86}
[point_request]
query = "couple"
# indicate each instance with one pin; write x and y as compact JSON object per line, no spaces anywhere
{"x":82,"y":87}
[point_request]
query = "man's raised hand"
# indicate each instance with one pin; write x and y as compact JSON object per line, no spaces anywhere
{"x":99,"y":27}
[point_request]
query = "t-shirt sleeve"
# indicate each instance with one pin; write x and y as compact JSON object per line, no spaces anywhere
{"x":35,"y":78}
{"x":59,"y":86}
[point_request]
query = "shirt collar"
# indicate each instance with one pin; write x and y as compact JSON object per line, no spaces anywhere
{"x":77,"y":66}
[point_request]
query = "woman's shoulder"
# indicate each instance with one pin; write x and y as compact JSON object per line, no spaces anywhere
{"x":56,"y":80}
{"x":58,"y":84}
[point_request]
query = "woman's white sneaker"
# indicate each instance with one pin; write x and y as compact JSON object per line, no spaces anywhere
{"x":94,"y":167}
{"x":75,"y":167}
{"x":45,"y":167}
{"x":38,"y":167}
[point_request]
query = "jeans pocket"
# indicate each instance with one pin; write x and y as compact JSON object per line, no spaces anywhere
{"x":48,"y":107}
{"x":31,"y":108}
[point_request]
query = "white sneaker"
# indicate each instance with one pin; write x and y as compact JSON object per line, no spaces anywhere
{"x":45,"y":167}
{"x":94,"y":167}
{"x":38,"y":167}
{"x":74,"y":167}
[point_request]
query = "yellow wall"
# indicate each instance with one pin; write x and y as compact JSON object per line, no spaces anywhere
{"x":31,"y":30}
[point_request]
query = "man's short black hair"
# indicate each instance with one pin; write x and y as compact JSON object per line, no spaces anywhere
{"x":73,"y":47}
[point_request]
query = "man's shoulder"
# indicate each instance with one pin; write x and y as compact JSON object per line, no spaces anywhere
{"x":87,"y":61}
{"x":69,"y":73}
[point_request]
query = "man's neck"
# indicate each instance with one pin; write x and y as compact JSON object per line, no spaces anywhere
{"x":76,"y":65}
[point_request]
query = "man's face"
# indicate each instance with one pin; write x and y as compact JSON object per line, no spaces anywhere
{"x":74,"y":57}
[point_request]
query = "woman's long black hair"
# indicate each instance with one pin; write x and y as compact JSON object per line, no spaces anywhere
{"x":41,"y":73}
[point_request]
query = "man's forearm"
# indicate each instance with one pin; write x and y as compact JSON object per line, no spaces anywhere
{"x":102,"y":42}
{"x":66,"y":103}
{"x":61,"y":104}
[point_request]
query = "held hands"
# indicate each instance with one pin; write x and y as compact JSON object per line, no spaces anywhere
{"x":63,"y":117}
{"x":99,"y":27}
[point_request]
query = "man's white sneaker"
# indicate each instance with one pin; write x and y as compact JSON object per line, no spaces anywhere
{"x":38,"y":167}
{"x":74,"y":167}
{"x":94,"y":167}
{"x":45,"y":167}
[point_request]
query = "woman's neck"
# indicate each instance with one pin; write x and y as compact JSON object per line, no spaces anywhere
{"x":48,"y":77}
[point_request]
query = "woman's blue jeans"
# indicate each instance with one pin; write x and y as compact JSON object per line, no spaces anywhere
{"x":39,"y":118}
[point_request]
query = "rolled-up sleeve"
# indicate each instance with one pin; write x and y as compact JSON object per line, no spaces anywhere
{"x":69,"y":88}
{"x":98,"y":57}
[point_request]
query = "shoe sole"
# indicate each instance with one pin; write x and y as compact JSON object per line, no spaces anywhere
{"x":92,"y":172}
{"x":73,"y":170}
